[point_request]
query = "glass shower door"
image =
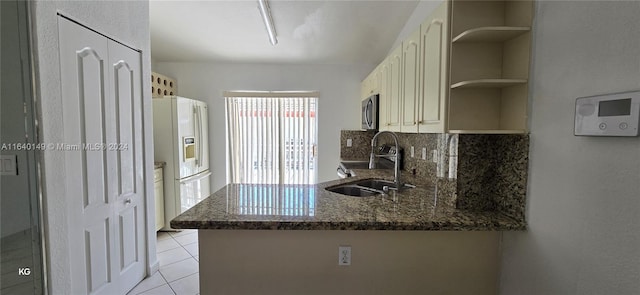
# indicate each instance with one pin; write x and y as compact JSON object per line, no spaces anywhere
{"x":21,"y":263}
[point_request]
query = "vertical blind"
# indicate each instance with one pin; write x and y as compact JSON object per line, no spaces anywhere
{"x":272,"y":139}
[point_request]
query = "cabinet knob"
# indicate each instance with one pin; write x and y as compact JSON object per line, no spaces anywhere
{"x":127,"y":201}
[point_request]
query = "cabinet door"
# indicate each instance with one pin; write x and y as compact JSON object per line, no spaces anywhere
{"x":369,"y":86}
{"x":372,"y":83}
{"x":383,"y":109}
{"x":410,"y":81}
{"x":377,"y":79}
{"x":395,"y":89}
{"x":364,"y":89}
{"x":433,"y":72}
{"x":158,"y":187}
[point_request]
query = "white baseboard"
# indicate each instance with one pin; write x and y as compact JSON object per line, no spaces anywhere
{"x":153,"y":268}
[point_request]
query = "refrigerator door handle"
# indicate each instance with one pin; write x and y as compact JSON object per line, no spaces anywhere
{"x":200,"y":146}
{"x":196,"y":126}
{"x":194,"y":178}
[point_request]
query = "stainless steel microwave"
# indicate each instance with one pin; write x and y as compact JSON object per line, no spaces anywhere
{"x":370,"y":113}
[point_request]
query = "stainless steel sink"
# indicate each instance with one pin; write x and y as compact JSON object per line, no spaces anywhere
{"x":366,"y":187}
{"x":365,"y":164}
{"x":353,"y":190}
{"x":381,"y":184}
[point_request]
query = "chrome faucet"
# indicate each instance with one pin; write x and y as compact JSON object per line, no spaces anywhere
{"x":396,"y":158}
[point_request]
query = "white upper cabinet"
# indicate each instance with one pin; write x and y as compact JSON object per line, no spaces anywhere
{"x":410,"y":82}
{"x":395,"y":90}
{"x":434,"y":45}
{"x":365,"y":88}
{"x":370,"y":85}
{"x":382,"y":72}
{"x":464,"y":70}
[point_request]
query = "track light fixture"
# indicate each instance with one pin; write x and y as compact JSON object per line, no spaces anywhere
{"x":265,"y":11}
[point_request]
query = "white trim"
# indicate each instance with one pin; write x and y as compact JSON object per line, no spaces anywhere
{"x":249,"y":93}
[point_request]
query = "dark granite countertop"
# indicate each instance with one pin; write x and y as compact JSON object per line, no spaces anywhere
{"x":311,"y":207}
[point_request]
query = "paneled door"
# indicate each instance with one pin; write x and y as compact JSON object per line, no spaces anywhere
{"x":410,"y":81}
{"x":125,"y":149}
{"x":434,"y":34}
{"x":394,"y":90}
{"x":102,"y":109}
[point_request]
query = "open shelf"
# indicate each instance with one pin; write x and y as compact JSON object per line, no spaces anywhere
{"x":489,"y":66}
{"x":488,"y":83}
{"x":492,"y":131}
{"x":490,"y":34}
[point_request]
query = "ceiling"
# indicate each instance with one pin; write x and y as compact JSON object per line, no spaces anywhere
{"x":309,"y":32}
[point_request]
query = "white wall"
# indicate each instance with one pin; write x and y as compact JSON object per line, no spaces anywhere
{"x":584,"y":192}
{"x":125,"y":21}
{"x":339,"y":87}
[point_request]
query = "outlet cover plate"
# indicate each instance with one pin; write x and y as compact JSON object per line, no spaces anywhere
{"x":344,"y":255}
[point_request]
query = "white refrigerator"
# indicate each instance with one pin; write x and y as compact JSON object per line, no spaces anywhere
{"x":180,"y":139}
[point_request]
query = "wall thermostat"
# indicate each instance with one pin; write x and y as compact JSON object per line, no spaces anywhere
{"x":608,"y":115}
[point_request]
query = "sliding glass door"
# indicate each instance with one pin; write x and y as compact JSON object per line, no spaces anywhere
{"x":272,"y":139}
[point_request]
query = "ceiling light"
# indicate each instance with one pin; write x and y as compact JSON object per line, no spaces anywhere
{"x":268,"y":21}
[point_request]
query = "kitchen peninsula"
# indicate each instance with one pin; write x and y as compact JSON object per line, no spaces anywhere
{"x":284,"y":239}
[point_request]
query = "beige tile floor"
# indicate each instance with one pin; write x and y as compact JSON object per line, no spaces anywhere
{"x":178,"y":257}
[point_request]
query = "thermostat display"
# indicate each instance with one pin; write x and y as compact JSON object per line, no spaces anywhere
{"x":608,"y":115}
{"x":618,"y":107}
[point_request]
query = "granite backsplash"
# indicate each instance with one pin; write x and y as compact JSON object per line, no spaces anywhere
{"x":360,"y":147}
{"x":492,"y":172}
{"x":470,"y":171}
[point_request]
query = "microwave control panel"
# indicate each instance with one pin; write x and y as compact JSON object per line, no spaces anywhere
{"x":608,"y":115}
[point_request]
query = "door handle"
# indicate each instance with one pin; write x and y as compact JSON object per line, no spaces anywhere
{"x":196,"y":130}
{"x":368,"y":108}
{"x":199,"y":161}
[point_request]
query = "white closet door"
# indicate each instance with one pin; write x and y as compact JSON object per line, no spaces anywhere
{"x":126,"y":175}
{"x":104,"y":194}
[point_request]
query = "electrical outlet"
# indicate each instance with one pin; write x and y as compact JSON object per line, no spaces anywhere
{"x":349,"y":142}
{"x":434,"y":154}
{"x":344,"y":255}
{"x":424,"y":153}
{"x":411,"y":151}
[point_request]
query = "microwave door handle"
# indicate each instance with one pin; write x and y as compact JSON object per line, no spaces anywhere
{"x":366,"y":115}
{"x":370,"y":113}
